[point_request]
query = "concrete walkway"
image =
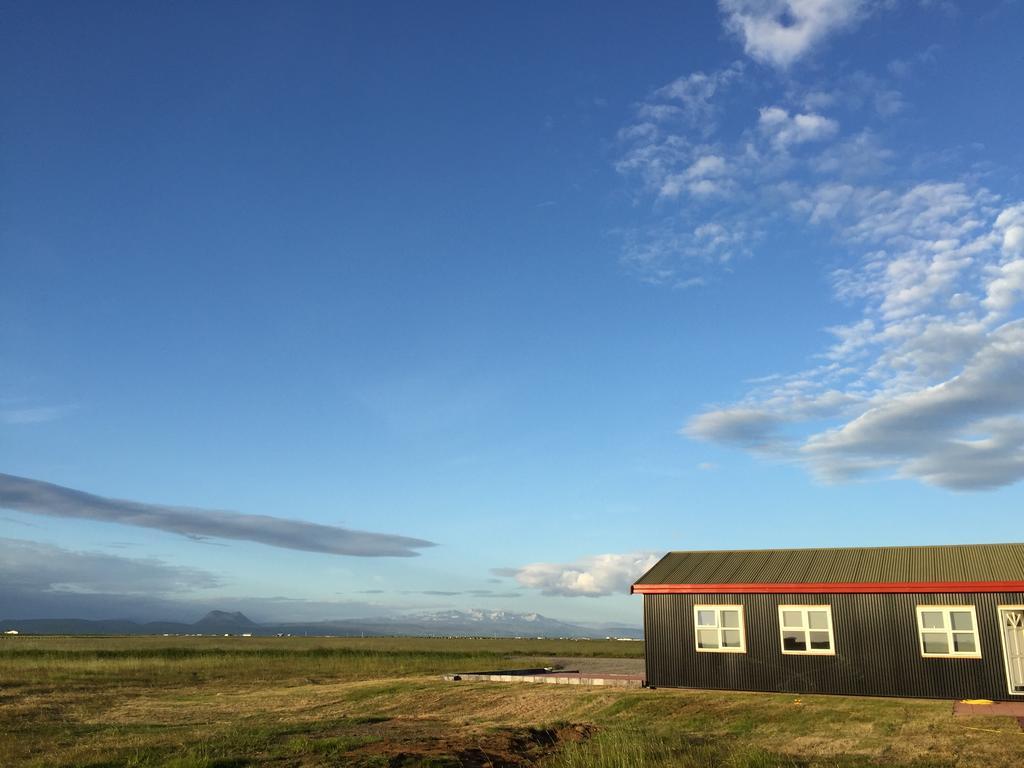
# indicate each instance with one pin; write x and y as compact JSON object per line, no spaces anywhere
{"x":991,"y":709}
{"x":552,"y":677}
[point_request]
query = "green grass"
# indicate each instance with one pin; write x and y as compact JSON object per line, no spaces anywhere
{"x":160,"y":660}
{"x":154,"y":702}
{"x":633,"y":748}
{"x":636,"y":748}
{"x":328,"y":746}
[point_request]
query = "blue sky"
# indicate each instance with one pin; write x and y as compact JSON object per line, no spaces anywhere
{"x":319,"y":310}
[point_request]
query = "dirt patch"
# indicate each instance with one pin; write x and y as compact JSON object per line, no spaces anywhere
{"x":501,"y":748}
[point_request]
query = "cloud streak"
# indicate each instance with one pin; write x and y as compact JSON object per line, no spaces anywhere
{"x":41,"y":498}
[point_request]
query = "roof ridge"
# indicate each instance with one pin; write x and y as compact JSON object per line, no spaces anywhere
{"x":901,"y":563}
{"x":844,"y":549}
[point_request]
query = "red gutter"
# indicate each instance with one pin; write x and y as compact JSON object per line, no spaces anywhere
{"x":842,"y":587}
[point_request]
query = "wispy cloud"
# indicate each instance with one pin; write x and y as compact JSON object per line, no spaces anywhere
{"x":461,"y":593}
{"x":30,"y":565}
{"x":906,"y":67}
{"x":37,"y":497}
{"x":695,"y":98}
{"x":713,"y":193}
{"x":594,"y":576}
{"x":38,"y":414}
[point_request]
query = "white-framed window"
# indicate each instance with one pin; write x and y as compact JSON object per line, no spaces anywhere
{"x":1011,"y":623}
{"x":719,"y":628}
{"x":806,"y":629}
{"x":948,"y":631}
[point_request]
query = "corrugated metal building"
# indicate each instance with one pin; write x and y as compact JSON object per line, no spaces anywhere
{"x":941,"y":622}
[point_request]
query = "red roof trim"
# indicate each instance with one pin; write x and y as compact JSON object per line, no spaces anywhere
{"x":844,"y":587}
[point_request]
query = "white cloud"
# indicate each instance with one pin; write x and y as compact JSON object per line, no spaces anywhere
{"x":932,"y":268}
{"x":1006,"y":286}
{"x":708,"y":166}
{"x":672,"y":160}
{"x":929,"y":382}
{"x":785,"y":129}
{"x":930,"y":431}
{"x":706,"y":176}
{"x":919,"y":241}
{"x":728,"y":185}
{"x":1013,"y":240}
{"x":594,"y":576}
{"x":779,"y":32}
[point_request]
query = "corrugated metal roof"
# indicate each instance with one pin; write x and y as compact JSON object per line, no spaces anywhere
{"x":947,"y":563}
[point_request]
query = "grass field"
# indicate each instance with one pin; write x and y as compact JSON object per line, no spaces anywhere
{"x":204,"y":702}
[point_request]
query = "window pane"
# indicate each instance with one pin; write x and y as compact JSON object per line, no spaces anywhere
{"x":961,"y":620}
{"x":819,"y":641}
{"x":730,"y":618}
{"x":817,"y":619}
{"x":706,"y":619}
{"x":794,"y":641}
{"x":730,"y":638}
{"x":707,"y":638}
{"x":932,"y":620}
{"x":935,"y":642}
{"x":963,"y":642}
{"x":792,"y":619}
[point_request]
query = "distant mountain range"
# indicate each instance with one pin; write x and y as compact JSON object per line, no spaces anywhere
{"x":472,"y":623}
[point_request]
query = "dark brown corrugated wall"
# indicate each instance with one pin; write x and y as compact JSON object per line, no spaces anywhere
{"x":876,"y":648}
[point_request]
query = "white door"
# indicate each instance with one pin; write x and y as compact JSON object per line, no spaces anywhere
{"x":1012,"y":622}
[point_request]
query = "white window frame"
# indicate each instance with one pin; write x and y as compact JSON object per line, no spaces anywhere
{"x":1002,"y":638}
{"x":806,"y":629}
{"x":697,"y":627}
{"x":949,"y":631}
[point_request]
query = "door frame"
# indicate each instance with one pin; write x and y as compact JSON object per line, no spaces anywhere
{"x":1002,"y":640}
